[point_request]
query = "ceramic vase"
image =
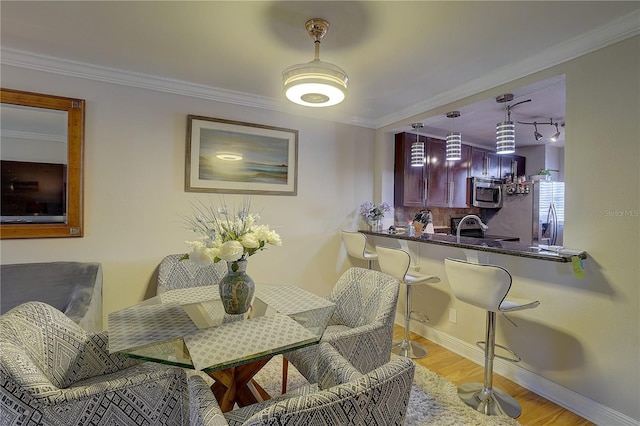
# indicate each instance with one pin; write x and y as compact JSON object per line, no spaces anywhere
{"x":236,"y":288}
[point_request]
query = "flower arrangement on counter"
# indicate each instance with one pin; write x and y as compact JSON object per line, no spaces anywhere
{"x":227,"y":236}
{"x":371,"y":211}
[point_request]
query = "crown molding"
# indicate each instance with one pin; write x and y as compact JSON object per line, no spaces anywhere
{"x":598,"y":38}
{"x":28,"y":60}
{"x":617,"y":30}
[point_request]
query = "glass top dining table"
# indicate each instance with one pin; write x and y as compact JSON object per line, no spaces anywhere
{"x":189,"y":328}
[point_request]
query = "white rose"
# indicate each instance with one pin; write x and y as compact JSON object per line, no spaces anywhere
{"x":231,"y":251}
{"x":274,"y":239}
{"x":250,"y":240}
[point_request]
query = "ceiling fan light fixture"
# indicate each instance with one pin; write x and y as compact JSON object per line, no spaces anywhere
{"x":315,"y":83}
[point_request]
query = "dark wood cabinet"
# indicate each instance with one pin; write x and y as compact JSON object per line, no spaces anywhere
{"x":437,"y":174}
{"x":439,"y":183}
{"x":484,"y":163}
{"x":512,"y":164}
{"x":488,"y":164}
{"x":410,"y":182}
{"x":459,"y":178}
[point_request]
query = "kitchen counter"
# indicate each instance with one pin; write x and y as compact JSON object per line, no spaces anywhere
{"x":484,"y":244}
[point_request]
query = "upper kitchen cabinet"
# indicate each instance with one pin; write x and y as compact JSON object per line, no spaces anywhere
{"x":446,"y":180}
{"x":488,"y":164}
{"x":484,"y":163}
{"x":439,"y":183}
{"x":512,"y":164}
{"x":409,"y":182}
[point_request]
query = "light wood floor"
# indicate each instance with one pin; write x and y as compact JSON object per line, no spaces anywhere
{"x":536,"y":410}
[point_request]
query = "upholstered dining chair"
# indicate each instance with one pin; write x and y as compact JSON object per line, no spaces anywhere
{"x":361,"y":327}
{"x":174,"y":273}
{"x":343,"y":396}
{"x":52,"y":372}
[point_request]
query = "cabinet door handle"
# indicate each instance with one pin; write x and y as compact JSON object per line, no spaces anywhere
{"x":450,"y":197}
{"x":426,"y":181}
{"x":486,"y":166}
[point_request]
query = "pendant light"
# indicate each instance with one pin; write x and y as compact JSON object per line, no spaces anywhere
{"x":505,"y":130}
{"x":454,"y":140}
{"x":417,"y":148}
{"x":315,"y":83}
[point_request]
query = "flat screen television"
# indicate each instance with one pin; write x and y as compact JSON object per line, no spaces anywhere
{"x":33,"y":192}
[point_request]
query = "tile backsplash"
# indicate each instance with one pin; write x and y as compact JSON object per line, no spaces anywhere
{"x":441,"y":215}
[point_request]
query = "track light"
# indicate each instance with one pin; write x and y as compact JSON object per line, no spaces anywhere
{"x":417,"y":148}
{"x":556,"y":136}
{"x":536,"y":134}
{"x":454,"y":140}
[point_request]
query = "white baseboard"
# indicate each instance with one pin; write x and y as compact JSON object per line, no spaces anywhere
{"x":566,"y":398}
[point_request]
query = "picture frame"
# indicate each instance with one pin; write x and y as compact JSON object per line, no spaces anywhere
{"x":235,"y":157}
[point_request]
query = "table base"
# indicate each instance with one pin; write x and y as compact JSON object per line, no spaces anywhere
{"x":236,"y":385}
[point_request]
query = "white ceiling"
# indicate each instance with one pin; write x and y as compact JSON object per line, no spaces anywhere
{"x":402,"y":57}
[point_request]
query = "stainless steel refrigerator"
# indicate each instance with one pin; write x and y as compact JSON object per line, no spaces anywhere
{"x":536,"y":217}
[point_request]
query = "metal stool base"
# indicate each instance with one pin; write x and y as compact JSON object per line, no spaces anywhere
{"x":409,"y":349}
{"x":492,"y":402}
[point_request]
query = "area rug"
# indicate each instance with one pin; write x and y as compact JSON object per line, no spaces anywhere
{"x":434,"y":400}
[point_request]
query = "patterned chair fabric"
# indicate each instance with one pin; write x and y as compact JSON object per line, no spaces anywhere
{"x":361,"y":327}
{"x":52,"y":372}
{"x":379,"y":397}
{"x":174,"y":273}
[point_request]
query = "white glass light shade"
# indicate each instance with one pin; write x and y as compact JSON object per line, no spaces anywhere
{"x":315,"y":84}
{"x":454,"y":146}
{"x":417,"y":154}
{"x":505,"y":137}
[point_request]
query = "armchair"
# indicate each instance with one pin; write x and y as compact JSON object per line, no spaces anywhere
{"x":52,"y":372}
{"x":361,"y":327}
{"x":343,"y":396}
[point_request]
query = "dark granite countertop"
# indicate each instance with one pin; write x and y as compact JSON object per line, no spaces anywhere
{"x":484,"y":244}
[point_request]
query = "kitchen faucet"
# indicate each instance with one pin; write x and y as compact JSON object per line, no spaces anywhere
{"x":469,"y":216}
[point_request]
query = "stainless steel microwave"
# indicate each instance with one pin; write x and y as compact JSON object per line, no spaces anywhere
{"x":486,"y":193}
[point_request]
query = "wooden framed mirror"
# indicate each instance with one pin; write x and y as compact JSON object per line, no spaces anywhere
{"x":42,"y":141}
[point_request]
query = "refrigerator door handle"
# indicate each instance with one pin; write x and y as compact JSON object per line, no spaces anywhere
{"x":553,"y":224}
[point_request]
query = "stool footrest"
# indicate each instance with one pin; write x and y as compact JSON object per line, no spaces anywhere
{"x":514,"y":358}
{"x":419,"y":317}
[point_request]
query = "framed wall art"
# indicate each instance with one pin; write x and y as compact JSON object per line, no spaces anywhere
{"x":240,"y":158}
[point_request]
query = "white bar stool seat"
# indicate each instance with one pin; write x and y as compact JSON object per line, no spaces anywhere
{"x":358,"y":247}
{"x":396,"y":262}
{"x":486,"y":286}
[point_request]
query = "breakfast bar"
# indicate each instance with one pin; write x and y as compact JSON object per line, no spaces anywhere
{"x":491,"y":245}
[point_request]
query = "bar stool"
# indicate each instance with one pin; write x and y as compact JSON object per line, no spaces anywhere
{"x":396,"y":262}
{"x":486,"y":286}
{"x":357,"y":246}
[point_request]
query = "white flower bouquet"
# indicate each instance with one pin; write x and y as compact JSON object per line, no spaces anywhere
{"x":227,"y":236}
